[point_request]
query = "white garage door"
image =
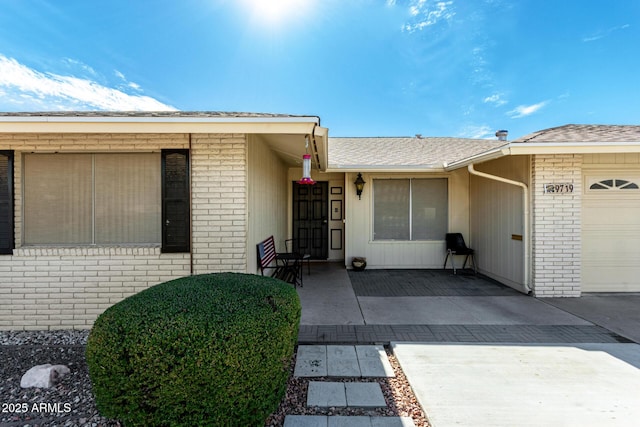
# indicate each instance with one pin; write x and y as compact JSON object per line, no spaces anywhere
{"x":611,"y":232}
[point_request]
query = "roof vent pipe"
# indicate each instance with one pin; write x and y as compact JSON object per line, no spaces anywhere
{"x":502,"y":135}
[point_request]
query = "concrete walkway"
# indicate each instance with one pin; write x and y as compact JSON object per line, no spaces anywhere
{"x":477,"y":353}
{"x":352,"y":364}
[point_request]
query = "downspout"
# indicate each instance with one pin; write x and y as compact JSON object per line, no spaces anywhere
{"x":525,"y":203}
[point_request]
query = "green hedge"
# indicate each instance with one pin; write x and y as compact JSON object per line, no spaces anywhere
{"x":201,"y":350}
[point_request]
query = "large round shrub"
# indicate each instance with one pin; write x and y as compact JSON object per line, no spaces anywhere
{"x":201,"y":350}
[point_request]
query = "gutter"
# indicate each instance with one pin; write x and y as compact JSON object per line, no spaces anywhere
{"x":494,"y":153}
{"x":525,"y":202}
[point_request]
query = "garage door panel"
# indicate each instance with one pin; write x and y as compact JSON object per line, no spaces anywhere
{"x":612,"y":244}
{"x":611,"y":235}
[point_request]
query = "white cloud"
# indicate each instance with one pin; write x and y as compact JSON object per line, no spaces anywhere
{"x":526,"y":110}
{"x":26,"y":87}
{"x":602,"y":34}
{"x":477,"y":132}
{"x":495,"y":99}
{"x":427,"y":14}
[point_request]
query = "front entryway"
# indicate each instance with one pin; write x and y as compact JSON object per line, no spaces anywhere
{"x":311,"y":219}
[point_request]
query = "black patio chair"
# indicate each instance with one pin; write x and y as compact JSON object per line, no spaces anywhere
{"x":457,"y":246}
{"x":293,"y":245}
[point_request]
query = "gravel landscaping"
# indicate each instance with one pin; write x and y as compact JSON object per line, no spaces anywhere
{"x":71,"y":403}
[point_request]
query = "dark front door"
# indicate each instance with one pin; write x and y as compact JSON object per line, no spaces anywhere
{"x":310,"y":219}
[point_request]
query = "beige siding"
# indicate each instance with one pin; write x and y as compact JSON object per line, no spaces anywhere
{"x":497,"y":214}
{"x":416,"y":254}
{"x":268,"y":192}
{"x":62,"y":287}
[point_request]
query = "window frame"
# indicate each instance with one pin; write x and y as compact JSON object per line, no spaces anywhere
{"x":8,"y":250}
{"x":445,"y":179}
{"x":93,"y":219}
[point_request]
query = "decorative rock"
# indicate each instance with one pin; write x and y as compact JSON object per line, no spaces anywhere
{"x":43,"y":376}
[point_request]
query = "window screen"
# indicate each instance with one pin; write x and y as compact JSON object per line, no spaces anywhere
{"x":92,"y":198}
{"x":410,"y":209}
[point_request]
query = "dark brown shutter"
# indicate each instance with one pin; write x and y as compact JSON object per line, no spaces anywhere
{"x":6,"y":202}
{"x":176,"y":213}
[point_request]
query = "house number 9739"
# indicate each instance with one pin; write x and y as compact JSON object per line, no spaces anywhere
{"x":558,"y":188}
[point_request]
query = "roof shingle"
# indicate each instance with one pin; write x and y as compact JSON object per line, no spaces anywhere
{"x":404,"y":152}
{"x":584,"y":133}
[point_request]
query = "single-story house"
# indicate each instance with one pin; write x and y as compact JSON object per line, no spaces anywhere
{"x":95,"y":206}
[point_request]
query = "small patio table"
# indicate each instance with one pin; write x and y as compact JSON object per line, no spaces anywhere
{"x":291,"y":264}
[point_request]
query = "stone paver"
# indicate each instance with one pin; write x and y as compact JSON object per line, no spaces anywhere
{"x":373,"y":361}
{"x":384,"y":334}
{"x":326,"y":421}
{"x":345,"y":421}
{"x":424,"y":283}
{"x":311,"y":361}
{"x":364,"y":395}
{"x":326,"y":394}
{"x":342,"y":361}
{"x":306,"y":421}
{"x":351,"y":394}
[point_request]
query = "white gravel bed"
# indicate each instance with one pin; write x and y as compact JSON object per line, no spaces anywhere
{"x":71,"y":403}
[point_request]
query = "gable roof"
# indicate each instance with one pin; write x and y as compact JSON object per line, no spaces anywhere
{"x":404,"y":153}
{"x":584,"y":133}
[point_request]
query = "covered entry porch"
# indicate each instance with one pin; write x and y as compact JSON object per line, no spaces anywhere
{"x":379,"y":306}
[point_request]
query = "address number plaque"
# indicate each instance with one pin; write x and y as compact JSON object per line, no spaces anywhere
{"x":563,"y":187}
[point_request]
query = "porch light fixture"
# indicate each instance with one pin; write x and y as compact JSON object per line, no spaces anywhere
{"x":359,"y":182}
{"x":306,"y":165}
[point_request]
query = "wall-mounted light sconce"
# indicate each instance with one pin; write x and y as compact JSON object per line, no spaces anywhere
{"x":359,"y":182}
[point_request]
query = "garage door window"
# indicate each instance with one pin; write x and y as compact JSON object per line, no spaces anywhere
{"x":614,"y":184}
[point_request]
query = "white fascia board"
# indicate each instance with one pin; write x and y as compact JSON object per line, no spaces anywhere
{"x":322,"y":138}
{"x":574,"y":147}
{"x":110,"y":124}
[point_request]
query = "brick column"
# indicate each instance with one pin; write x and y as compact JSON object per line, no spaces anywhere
{"x":556,"y":226}
{"x":219,"y":203}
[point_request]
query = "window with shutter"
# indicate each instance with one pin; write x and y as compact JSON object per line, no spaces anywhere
{"x":6,"y":202}
{"x":176,"y":212}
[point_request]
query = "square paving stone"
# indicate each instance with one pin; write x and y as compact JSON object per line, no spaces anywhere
{"x":373,"y":361}
{"x":344,"y":421}
{"x":364,"y":395}
{"x":305,"y":421}
{"x":311,"y":361}
{"x":326,"y":394}
{"x":342,"y":361}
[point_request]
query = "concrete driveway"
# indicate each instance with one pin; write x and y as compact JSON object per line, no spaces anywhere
{"x":479,"y":354}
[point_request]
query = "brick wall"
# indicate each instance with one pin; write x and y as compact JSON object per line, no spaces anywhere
{"x":62,"y":288}
{"x":219,"y":203}
{"x":556,"y":226}
{"x":58,"y":288}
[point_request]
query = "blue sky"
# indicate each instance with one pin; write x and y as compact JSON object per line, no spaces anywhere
{"x":366,"y":67}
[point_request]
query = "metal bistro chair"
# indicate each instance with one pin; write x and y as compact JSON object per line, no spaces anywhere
{"x":456,"y":246}
{"x":293,"y":246}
